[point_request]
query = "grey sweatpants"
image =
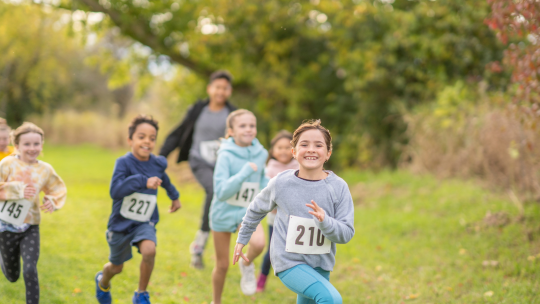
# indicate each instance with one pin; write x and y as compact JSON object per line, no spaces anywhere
{"x":204,"y":173}
{"x":13,"y":246}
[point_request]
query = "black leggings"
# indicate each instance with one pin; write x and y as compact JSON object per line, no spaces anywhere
{"x":13,"y":246}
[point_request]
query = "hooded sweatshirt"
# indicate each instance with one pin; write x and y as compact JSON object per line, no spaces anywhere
{"x":233,"y":169}
{"x":130,"y":176}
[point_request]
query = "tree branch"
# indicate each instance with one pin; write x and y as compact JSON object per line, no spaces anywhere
{"x":141,"y":32}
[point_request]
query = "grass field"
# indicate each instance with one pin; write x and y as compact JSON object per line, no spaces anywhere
{"x":418,"y":240}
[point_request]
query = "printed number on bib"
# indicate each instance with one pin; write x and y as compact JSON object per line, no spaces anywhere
{"x":14,"y":211}
{"x":245,"y":196}
{"x":304,"y":237}
{"x":209,"y":150}
{"x":138,"y":207}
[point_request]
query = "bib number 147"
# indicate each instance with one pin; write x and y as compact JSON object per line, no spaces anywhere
{"x":304,"y":237}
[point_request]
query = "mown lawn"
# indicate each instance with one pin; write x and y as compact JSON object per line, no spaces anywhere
{"x":418,"y":240}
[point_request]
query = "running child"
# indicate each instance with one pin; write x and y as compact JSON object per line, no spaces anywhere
{"x":136,"y":178}
{"x":22,"y":178}
{"x":314,"y":212}
{"x":238,"y":177}
{"x":5,"y":148}
{"x":280,"y":159}
{"x":197,"y":137}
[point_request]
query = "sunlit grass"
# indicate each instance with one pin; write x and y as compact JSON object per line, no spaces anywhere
{"x":418,"y":240}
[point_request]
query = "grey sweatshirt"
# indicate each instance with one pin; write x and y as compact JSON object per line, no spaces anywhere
{"x":290,"y":194}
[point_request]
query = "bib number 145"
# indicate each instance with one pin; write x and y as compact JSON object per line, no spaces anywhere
{"x":304,"y":237}
{"x":15,"y":211}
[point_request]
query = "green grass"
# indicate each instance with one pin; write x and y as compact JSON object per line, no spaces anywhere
{"x":418,"y":240}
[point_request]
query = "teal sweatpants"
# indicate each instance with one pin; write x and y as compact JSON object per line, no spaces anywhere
{"x":311,"y":284}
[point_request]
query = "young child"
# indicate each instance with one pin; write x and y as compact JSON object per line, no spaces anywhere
{"x":280,"y":159}
{"x":5,"y":149}
{"x":136,"y":178}
{"x":197,"y":137}
{"x":22,"y":177}
{"x":238,"y":177}
{"x":314,"y":212}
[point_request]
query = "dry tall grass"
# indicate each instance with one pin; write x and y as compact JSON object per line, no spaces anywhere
{"x":491,"y":140}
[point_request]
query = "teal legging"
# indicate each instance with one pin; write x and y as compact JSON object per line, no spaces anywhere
{"x":311,"y":284}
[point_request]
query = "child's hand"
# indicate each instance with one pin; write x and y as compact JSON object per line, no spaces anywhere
{"x":253,"y":166}
{"x":238,"y":253}
{"x":47,"y":205}
{"x":29,"y":192}
{"x":153,"y":182}
{"x":318,"y":212}
{"x":175,"y":206}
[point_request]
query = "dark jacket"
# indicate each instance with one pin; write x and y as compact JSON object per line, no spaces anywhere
{"x":182,"y":136}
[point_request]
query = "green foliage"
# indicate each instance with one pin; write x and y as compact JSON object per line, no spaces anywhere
{"x":353,"y":64}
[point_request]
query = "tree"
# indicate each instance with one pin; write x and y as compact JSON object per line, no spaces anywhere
{"x":354,"y":64}
{"x":517,"y":24}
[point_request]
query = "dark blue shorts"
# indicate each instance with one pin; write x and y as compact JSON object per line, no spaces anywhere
{"x":120,"y":243}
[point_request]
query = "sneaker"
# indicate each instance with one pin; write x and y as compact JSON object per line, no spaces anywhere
{"x":261,"y":282}
{"x":197,"y":249}
{"x":103,"y":295}
{"x":248,"y":283}
{"x":197,"y":261}
{"x":141,"y":298}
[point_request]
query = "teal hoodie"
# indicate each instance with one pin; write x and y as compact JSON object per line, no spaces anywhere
{"x":232,"y":169}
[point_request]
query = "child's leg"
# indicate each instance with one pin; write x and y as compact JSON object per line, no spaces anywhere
{"x":29,"y":248}
{"x":221,"y":244}
{"x":256,"y":244}
{"x":265,"y":269}
{"x":109,"y":271}
{"x":311,"y":285}
{"x":10,"y":258}
{"x":148,"y":252}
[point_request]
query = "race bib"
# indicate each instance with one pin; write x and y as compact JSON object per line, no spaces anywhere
{"x":245,"y":196}
{"x":14,"y":211}
{"x":138,"y":207}
{"x":304,"y":237}
{"x":209,"y":150}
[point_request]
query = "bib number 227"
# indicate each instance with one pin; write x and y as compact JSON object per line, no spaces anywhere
{"x":138,"y":207}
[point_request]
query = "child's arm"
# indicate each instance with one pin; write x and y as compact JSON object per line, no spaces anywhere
{"x":264,"y":179}
{"x":172,"y":193}
{"x":10,"y":190}
{"x":55,"y":192}
{"x":225,"y":185}
{"x":339,"y":229}
{"x":123,"y":185}
{"x":263,"y":203}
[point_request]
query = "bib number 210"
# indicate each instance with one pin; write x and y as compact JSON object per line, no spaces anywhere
{"x":304,"y":237}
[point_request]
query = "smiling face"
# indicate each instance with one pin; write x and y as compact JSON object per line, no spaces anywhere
{"x":311,"y":150}
{"x":219,"y":90}
{"x":281,"y":150}
{"x":29,"y":147}
{"x":143,"y":141}
{"x":244,"y":129}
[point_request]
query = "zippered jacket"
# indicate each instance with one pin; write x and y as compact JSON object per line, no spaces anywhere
{"x":182,"y":136}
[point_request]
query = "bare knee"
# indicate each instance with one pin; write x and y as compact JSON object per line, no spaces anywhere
{"x":222,"y":267}
{"x":115,"y":269}
{"x":257,"y":244}
{"x":148,"y":250}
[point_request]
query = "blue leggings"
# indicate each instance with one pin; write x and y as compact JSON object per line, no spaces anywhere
{"x":311,"y":284}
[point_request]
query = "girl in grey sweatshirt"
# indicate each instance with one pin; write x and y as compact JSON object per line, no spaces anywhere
{"x":315,"y":212}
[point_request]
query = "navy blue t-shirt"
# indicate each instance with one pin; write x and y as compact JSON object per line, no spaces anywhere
{"x":131,"y":175}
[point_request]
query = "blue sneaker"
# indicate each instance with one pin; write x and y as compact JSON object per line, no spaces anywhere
{"x":103,"y":295}
{"x":141,"y":298}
